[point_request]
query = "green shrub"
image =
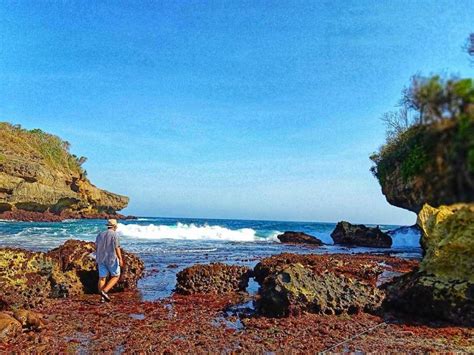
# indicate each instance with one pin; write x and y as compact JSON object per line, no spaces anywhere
{"x":429,"y":106}
{"x":38,"y":145}
{"x":410,"y":150}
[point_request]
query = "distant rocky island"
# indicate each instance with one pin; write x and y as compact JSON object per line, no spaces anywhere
{"x":40,"y":180}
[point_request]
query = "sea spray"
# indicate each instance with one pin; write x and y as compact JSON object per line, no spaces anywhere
{"x":182,"y":231}
{"x":405,"y":237}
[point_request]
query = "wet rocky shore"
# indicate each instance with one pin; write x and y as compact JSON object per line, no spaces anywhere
{"x":203,"y":323}
{"x":305,"y":303}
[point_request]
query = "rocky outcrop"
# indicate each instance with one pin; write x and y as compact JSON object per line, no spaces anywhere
{"x":215,"y":278}
{"x":431,"y":164}
{"x":40,"y":179}
{"x":297,"y":289}
{"x":299,"y":238}
{"x":443,"y":287}
{"x":27,"y":278}
{"x":360,"y":235}
{"x":75,"y":256}
{"x":327,"y":284}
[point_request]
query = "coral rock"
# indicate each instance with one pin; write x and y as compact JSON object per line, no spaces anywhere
{"x":297,"y":289}
{"x":327,"y":284}
{"x":216,"y":278}
{"x":75,"y":256}
{"x":28,"y":278}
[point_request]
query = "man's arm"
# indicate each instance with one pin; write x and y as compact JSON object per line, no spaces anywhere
{"x":119,"y":256}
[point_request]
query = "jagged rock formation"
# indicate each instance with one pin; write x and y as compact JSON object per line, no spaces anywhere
{"x":360,"y":235}
{"x":27,"y":278}
{"x":443,"y":287}
{"x":327,"y":284}
{"x":215,"y":278}
{"x":299,"y":238}
{"x":39,"y":177}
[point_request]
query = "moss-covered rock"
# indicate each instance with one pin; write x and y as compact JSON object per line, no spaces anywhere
{"x":326,"y":284}
{"x":428,"y":164}
{"x":75,"y":257}
{"x":27,"y":278}
{"x":448,"y":241}
{"x":296,"y":289}
{"x":443,"y":287}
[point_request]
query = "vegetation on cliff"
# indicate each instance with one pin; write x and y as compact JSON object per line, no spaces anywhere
{"x":40,"y":179}
{"x":38,"y":146}
{"x":431,"y":135}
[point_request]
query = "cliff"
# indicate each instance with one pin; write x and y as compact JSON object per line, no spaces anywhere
{"x":39,"y":177}
{"x":429,"y":169}
{"x":431,"y":164}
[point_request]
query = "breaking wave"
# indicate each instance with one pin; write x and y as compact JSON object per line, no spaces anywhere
{"x":405,"y":237}
{"x":192,"y":231}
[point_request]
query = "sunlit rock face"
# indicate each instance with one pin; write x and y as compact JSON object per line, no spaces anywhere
{"x":443,"y":287}
{"x":28,"y":279}
{"x":41,"y":180}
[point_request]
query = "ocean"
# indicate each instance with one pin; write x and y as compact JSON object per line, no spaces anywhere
{"x":167,"y":245}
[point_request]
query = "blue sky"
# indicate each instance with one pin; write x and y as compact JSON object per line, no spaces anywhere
{"x":227,"y":109}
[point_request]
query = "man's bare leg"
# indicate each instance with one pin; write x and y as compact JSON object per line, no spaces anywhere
{"x":101,"y":283}
{"x":112,"y":282}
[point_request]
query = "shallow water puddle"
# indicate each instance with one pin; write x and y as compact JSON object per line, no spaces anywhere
{"x":386,"y":275}
{"x":232,"y":315}
{"x":137,"y":316}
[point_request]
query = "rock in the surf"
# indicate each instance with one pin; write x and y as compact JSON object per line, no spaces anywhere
{"x":299,"y":238}
{"x":215,"y":278}
{"x":349,"y":234}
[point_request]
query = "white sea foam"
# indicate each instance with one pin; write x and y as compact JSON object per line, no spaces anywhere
{"x":405,"y":237}
{"x":183,"y":231}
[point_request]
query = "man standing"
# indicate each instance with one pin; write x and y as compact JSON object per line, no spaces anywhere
{"x":108,"y":258}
